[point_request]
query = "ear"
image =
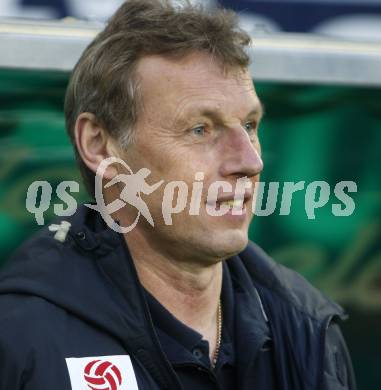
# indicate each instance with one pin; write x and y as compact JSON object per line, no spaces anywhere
{"x":94,"y":144}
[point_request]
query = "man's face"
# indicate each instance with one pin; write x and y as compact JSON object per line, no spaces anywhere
{"x":196,"y":118}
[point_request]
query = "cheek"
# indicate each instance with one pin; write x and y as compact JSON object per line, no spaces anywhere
{"x":170,"y":160}
{"x":161,"y":154}
{"x":146,"y":156}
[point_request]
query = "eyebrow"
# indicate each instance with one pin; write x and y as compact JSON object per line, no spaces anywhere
{"x":258,"y":110}
{"x":210,"y":112}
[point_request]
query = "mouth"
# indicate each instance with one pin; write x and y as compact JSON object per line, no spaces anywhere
{"x":230,"y":204}
{"x":237,"y":200}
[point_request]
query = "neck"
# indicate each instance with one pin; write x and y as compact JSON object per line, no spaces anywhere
{"x":190,"y":291}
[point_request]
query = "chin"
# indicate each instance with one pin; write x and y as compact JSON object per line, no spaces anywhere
{"x":229,"y":244}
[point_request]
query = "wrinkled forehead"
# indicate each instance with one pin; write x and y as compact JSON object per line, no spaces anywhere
{"x":196,"y":77}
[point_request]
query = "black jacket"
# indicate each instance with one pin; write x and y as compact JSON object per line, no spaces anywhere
{"x":82,"y":298}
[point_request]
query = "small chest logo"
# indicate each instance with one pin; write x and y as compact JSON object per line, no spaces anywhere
{"x":102,"y":375}
{"x":114,"y":372}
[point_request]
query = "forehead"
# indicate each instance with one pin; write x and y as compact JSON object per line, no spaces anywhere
{"x":197,"y":79}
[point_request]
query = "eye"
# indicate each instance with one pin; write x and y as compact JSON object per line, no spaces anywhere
{"x":250,"y":126}
{"x":199,"y":130}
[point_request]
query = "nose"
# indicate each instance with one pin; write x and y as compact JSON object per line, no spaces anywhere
{"x":240,"y":155}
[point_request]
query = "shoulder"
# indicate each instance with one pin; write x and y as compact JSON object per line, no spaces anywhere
{"x":23,"y":319}
{"x":303,"y":322}
{"x":287,"y":286}
{"x":24,"y":330}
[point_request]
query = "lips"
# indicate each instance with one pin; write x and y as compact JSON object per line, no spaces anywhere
{"x":231,"y":198}
{"x":233,"y":201}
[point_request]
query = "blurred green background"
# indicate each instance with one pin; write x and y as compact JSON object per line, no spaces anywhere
{"x":309,"y":133}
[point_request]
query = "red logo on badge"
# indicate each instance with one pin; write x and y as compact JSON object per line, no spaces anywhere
{"x":102,"y":375}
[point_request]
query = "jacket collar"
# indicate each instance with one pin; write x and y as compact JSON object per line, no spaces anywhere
{"x":114,"y":260}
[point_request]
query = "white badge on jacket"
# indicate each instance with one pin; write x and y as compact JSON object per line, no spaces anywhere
{"x":102,"y":373}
